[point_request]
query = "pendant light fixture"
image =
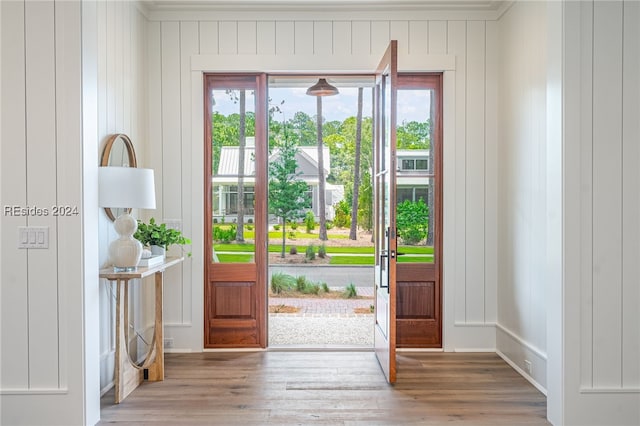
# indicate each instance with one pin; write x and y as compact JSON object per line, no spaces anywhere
{"x":322,"y":88}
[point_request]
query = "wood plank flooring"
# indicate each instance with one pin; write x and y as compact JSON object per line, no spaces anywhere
{"x":330,"y":388}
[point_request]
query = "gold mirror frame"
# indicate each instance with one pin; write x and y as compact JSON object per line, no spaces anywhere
{"x":113,"y":155}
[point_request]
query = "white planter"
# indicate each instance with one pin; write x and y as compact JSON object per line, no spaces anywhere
{"x":158,"y":251}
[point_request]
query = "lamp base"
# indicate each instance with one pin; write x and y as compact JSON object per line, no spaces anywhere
{"x":125,"y":252}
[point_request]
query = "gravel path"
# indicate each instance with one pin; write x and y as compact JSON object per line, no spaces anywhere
{"x":320,"y":330}
{"x":322,"y":322}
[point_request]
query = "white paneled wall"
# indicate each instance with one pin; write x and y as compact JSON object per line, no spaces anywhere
{"x":602,"y":249}
{"x":521,"y":331}
{"x":43,"y":342}
{"x":179,"y":48}
{"x":121,"y":98}
{"x":602,"y":246}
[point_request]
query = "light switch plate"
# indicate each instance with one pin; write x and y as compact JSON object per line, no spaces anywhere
{"x":173,"y":224}
{"x":33,"y":237}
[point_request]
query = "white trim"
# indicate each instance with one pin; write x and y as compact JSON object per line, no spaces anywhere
{"x":42,"y":391}
{"x":336,"y":64}
{"x":234,"y":350}
{"x":337,"y":14}
{"x":524,"y":343}
{"x":522,"y":372}
{"x":609,"y":390}
{"x":474,"y":324}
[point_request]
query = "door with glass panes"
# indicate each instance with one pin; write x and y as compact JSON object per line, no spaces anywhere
{"x":419,"y":212}
{"x":235,"y":211}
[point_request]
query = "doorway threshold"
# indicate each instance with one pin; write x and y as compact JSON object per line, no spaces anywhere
{"x":320,"y":348}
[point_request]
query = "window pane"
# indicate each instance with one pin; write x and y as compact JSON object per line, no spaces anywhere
{"x":415,"y":210}
{"x":233,"y":175}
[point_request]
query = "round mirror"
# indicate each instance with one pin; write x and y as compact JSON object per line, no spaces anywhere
{"x":118,"y":152}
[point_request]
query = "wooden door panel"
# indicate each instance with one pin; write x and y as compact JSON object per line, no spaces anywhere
{"x":416,"y":300}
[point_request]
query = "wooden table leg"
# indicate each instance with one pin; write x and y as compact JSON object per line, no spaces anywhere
{"x":156,"y":369}
{"x":127,"y":377}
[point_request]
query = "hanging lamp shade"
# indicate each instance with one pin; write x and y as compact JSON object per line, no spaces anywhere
{"x":322,"y":88}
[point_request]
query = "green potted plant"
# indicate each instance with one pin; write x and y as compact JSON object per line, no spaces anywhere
{"x":158,"y":237}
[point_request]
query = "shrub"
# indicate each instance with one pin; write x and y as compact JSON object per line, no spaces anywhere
{"x":282,"y":282}
{"x":224,"y":234}
{"x":276,"y":227}
{"x":310,"y":221}
{"x":301,"y":282}
{"x":250,"y":220}
{"x":412,"y":221}
{"x":310,"y":253}
{"x":294,"y":225}
{"x":325,"y":287}
{"x":250,"y":227}
{"x":293,"y":250}
{"x":350,"y":291}
{"x":322,"y":251}
{"x":329,"y":224}
{"x":342,"y":217}
{"x":292,"y":235}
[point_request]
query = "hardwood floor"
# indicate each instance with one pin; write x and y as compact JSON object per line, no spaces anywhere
{"x":330,"y":388}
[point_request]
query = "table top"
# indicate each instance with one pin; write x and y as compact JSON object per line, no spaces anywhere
{"x":141,"y":271}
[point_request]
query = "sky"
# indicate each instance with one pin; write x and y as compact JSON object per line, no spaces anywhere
{"x":413,"y":105}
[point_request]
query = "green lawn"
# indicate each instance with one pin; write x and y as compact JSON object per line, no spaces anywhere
{"x":351,"y":260}
{"x":243,"y":253}
{"x":235,"y":258}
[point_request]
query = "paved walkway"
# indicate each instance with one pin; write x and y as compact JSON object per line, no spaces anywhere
{"x":318,"y":307}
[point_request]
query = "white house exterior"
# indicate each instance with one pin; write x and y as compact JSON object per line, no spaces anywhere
{"x":225,"y":181}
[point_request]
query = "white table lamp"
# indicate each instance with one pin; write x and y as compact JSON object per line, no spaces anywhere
{"x":126,"y":187}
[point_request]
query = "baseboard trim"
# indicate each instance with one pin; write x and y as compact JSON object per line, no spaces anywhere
{"x":518,"y":339}
{"x":522,"y":373}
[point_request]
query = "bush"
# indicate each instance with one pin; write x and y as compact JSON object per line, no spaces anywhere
{"x":310,"y":253}
{"x":276,"y":227}
{"x":250,"y":220}
{"x":329,"y":224}
{"x":325,"y":287}
{"x":412,"y":221}
{"x":282,"y":282}
{"x":350,"y":291}
{"x":342,"y":218}
{"x":224,"y":234}
{"x":249,"y":227}
{"x":301,"y":283}
{"x":293,"y":225}
{"x":293,"y":250}
{"x":292,"y":235}
{"x":322,"y":251}
{"x":310,"y":221}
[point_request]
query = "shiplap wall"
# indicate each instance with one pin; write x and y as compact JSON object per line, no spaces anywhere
{"x":521,"y":327}
{"x":121,"y":108}
{"x":176,"y":143}
{"x":602,"y":246}
{"x":47,"y":359}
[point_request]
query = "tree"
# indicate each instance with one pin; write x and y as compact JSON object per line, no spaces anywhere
{"x":353,"y":232}
{"x":287,"y":192}
{"x":322,"y":233}
{"x":241,"y":152}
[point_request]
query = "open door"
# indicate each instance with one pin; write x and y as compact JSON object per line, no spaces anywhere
{"x":385,"y":212}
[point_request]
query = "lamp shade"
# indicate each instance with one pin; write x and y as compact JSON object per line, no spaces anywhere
{"x":126,"y":187}
{"x":322,"y":88}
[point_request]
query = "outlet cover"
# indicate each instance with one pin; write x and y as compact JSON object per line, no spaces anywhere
{"x":168,"y":342}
